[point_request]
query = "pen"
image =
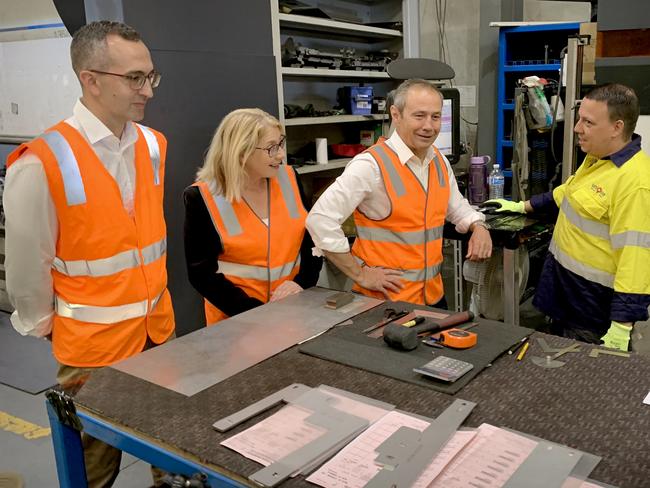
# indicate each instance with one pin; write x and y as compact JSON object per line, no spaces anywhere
{"x":415,"y":321}
{"x":523,"y":351}
{"x":517,"y":346}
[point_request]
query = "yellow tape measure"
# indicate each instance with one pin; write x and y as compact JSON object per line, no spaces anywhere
{"x":458,"y":338}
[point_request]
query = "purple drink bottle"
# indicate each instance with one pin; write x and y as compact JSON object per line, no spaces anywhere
{"x":478,"y":188}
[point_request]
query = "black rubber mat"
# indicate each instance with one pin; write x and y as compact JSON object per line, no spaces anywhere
{"x":26,"y":363}
{"x":348,"y":345}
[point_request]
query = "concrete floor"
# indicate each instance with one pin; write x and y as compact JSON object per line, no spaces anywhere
{"x":33,"y":459}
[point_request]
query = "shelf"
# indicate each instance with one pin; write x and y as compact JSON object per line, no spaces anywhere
{"x":532,"y":67}
{"x":508,"y":106}
{"x":333,"y":73}
{"x":506,"y":143}
{"x":317,"y":168}
{"x":333,"y":119}
{"x":336,"y":27}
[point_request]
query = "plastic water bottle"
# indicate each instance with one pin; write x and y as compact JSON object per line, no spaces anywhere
{"x":496,"y":182}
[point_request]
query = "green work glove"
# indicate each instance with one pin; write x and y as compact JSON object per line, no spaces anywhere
{"x":500,"y":205}
{"x":617,"y":337}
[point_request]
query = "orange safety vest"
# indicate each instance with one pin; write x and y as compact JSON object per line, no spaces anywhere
{"x":258,"y":258}
{"x":109,"y":274}
{"x":410,"y":238}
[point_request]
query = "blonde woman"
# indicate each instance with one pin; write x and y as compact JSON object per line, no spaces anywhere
{"x":245,"y":239}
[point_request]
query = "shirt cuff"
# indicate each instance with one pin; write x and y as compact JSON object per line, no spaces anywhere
{"x":42,"y":328}
{"x":463,"y":226}
{"x":331,"y":245}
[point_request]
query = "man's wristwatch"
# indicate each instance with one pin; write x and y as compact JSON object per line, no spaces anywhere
{"x":482,"y":223}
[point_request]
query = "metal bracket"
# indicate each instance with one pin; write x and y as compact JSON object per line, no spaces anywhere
{"x":285,"y":395}
{"x":548,"y":465}
{"x":594,"y":353}
{"x":65,"y":410}
{"x":407,"y":453}
{"x":339,"y":427}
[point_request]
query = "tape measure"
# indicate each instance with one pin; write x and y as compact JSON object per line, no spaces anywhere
{"x":458,"y":338}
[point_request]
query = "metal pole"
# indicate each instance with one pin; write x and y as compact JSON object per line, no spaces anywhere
{"x":459,"y":283}
{"x":573,"y":69}
{"x":411,"y":28}
{"x":510,"y":286}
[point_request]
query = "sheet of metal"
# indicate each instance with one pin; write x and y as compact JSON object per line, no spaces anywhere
{"x":196,"y":361}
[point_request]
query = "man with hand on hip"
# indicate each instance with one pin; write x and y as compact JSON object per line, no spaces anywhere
{"x":595,"y":282}
{"x":86,"y":236}
{"x":400,"y":191}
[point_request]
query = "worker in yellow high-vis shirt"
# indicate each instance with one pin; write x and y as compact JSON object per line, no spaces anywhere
{"x":595,"y":283}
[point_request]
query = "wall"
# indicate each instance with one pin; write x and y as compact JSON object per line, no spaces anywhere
{"x":461,"y":53}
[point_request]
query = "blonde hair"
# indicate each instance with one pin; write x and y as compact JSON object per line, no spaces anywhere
{"x":233,"y":143}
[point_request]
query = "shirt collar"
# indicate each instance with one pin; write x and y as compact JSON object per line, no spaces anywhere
{"x":404,"y":153}
{"x":623,"y":155}
{"x":96,"y":131}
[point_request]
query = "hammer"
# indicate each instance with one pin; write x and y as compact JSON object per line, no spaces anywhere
{"x":406,"y":338}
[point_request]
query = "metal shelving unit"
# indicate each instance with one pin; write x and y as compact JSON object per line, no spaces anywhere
{"x":524,"y":50}
{"x":318,"y":86}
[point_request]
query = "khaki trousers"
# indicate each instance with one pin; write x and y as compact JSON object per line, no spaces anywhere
{"x":102,"y":460}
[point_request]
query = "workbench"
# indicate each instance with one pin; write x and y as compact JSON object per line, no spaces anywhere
{"x":592,"y":404}
{"x":510,"y":233}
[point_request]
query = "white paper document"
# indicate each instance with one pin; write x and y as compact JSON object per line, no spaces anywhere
{"x":354,"y":466}
{"x":287,"y":430}
{"x":490,"y":459}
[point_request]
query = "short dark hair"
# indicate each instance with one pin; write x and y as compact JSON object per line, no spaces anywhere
{"x":622,"y":104}
{"x":88,"y":47}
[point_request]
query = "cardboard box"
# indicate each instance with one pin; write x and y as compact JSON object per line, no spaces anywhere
{"x":589,"y":53}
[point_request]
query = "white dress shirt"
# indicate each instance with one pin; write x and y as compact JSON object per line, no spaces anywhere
{"x":32,"y":226}
{"x":361,"y":186}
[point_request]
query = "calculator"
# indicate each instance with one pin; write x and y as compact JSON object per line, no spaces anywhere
{"x":445,"y":368}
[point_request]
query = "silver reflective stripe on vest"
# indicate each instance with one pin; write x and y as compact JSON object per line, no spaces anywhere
{"x":114,"y":264}
{"x":410,"y":238}
{"x":247,"y":271}
{"x":228,"y":216}
{"x":65,"y":158}
{"x":581,"y":269}
{"x":631,"y":238}
{"x":287,"y":193}
{"x":396,"y":181}
{"x":155,"y":251}
{"x":420,"y":274}
{"x":104,"y":315}
{"x":441,"y":175}
{"x":154,"y":152}
{"x":586,"y":225}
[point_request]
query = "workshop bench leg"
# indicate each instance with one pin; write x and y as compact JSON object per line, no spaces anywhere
{"x":68,"y":452}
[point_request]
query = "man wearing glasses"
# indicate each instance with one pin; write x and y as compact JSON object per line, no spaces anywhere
{"x":86,"y":235}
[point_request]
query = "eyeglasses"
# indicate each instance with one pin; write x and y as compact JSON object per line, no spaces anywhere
{"x":136,"y":81}
{"x":274,"y":148}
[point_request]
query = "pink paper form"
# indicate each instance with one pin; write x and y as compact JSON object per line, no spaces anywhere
{"x":354,"y":466}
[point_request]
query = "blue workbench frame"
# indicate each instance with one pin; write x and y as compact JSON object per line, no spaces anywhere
{"x":69,"y":453}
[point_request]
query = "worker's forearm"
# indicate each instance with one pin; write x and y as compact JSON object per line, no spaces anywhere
{"x":528,"y":206}
{"x":345,"y":262}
